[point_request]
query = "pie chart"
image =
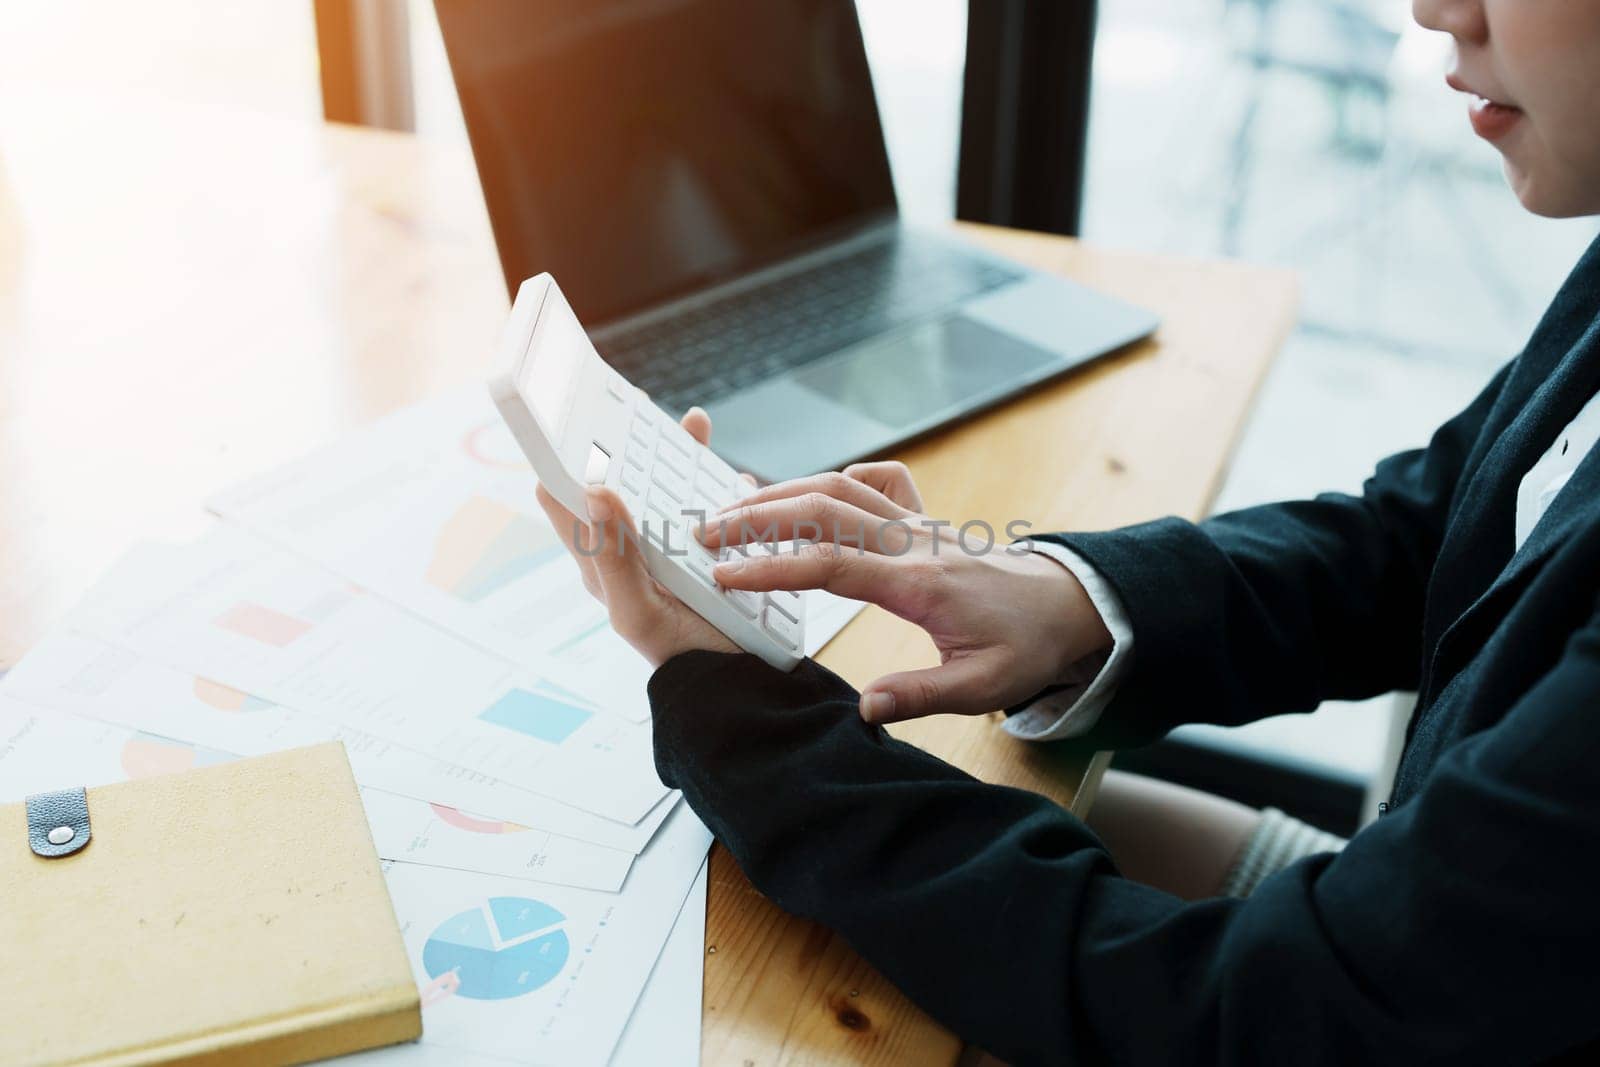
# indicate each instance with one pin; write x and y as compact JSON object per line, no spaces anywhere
{"x":485,"y":546}
{"x":226,"y":698}
{"x":146,"y":755}
{"x":474,"y":825}
{"x":490,"y":445}
{"x":503,"y":948}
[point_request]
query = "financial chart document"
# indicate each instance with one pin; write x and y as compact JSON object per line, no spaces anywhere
{"x":83,"y":675}
{"x":267,"y":622}
{"x":46,"y":748}
{"x":434,"y":508}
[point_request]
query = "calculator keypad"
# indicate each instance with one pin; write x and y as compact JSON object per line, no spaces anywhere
{"x":670,"y":484}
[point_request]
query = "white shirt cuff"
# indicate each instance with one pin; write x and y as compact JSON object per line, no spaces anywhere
{"x":1091,"y":682}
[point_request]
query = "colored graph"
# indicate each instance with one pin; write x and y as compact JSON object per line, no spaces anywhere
{"x":538,"y":714}
{"x":472,"y":824}
{"x":492,"y":445}
{"x":485,"y":546}
{"x":503,"y":948}
{"x":146,"y":755}
{"x":261,"y":623}
{"x":226,"y":698}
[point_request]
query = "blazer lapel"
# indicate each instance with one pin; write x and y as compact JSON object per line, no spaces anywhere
{"x":1484,"y":526}
{"x":1553,"y":377}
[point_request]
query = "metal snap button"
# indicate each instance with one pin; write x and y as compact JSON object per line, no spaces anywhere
{"x":61,"y":835}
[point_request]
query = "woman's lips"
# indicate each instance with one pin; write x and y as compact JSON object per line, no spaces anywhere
{"x":1491,"y":120}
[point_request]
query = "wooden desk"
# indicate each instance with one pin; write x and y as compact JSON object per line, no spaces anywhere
{"x":187,"y":297}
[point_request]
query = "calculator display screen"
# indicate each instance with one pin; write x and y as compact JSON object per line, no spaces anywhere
{"x":556,"y":355}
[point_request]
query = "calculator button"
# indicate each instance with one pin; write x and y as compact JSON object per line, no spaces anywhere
{"x":659,"y":518}
{"x":685,"y":519}
{"x":633,"y":479}
{"x":594,"y":471}
{"x":781,"y":626}
{"x":716,"y":497}
{"x":693,"y":515}
{"x":669,"y":482}
{"x":679,"y":542}
{"x":719,"y":472}
{"x":662,"y":506}
{"x":639,"y":458}
{"x":747,"y":603}
{"x":787,"y":603}
{"x":681,"y":464}
{"x":679,"y":438}
{"x":617,"y":388}
{"x":700,"y":563}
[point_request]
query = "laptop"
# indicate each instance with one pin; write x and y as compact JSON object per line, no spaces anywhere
{"x":708,"y":182}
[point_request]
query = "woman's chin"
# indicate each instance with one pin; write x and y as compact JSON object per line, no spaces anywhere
{"x":1549,"y":198}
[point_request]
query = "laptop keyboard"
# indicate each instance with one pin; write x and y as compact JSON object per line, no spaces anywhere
{"x":708,"y":352}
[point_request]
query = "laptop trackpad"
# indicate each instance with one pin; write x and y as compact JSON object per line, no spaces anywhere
{"x":779,"y":430}
{"x":825,"y":415}
{"x":936,"y":368}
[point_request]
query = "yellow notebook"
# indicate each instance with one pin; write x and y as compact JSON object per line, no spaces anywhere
{"x":230,"y":915}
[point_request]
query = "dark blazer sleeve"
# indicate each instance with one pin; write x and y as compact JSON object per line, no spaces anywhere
{"x":1460,"y":929}
{"x":1274,"y":609}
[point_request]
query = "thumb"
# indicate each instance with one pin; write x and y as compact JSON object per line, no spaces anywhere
{"x":619,"y":565}
{"x":961,"y":686}
{"x":698,"y":423}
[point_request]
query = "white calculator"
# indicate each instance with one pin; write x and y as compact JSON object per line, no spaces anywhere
{"x":581,"y":423}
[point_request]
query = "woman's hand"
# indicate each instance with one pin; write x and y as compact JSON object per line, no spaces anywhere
{"x":606,"y":548}
{"x":1007,"y":622}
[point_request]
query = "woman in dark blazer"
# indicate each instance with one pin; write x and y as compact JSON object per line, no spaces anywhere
{"x":1463,"y":926}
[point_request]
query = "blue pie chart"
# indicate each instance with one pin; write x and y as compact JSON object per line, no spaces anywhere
{"x":503,"y":948}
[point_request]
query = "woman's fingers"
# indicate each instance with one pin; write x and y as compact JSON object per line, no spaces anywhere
{"x":570,"y":529}
{"x":698,"y":423}
{"x":891,"y":478}
{"x":629,"y":591}
{"x":847,"y":572}
{"x":840,"y":486}
{"x":964,"y":685}
{"x":813,"y":516}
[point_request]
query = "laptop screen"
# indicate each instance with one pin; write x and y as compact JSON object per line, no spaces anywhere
{"x":639,"y":149}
